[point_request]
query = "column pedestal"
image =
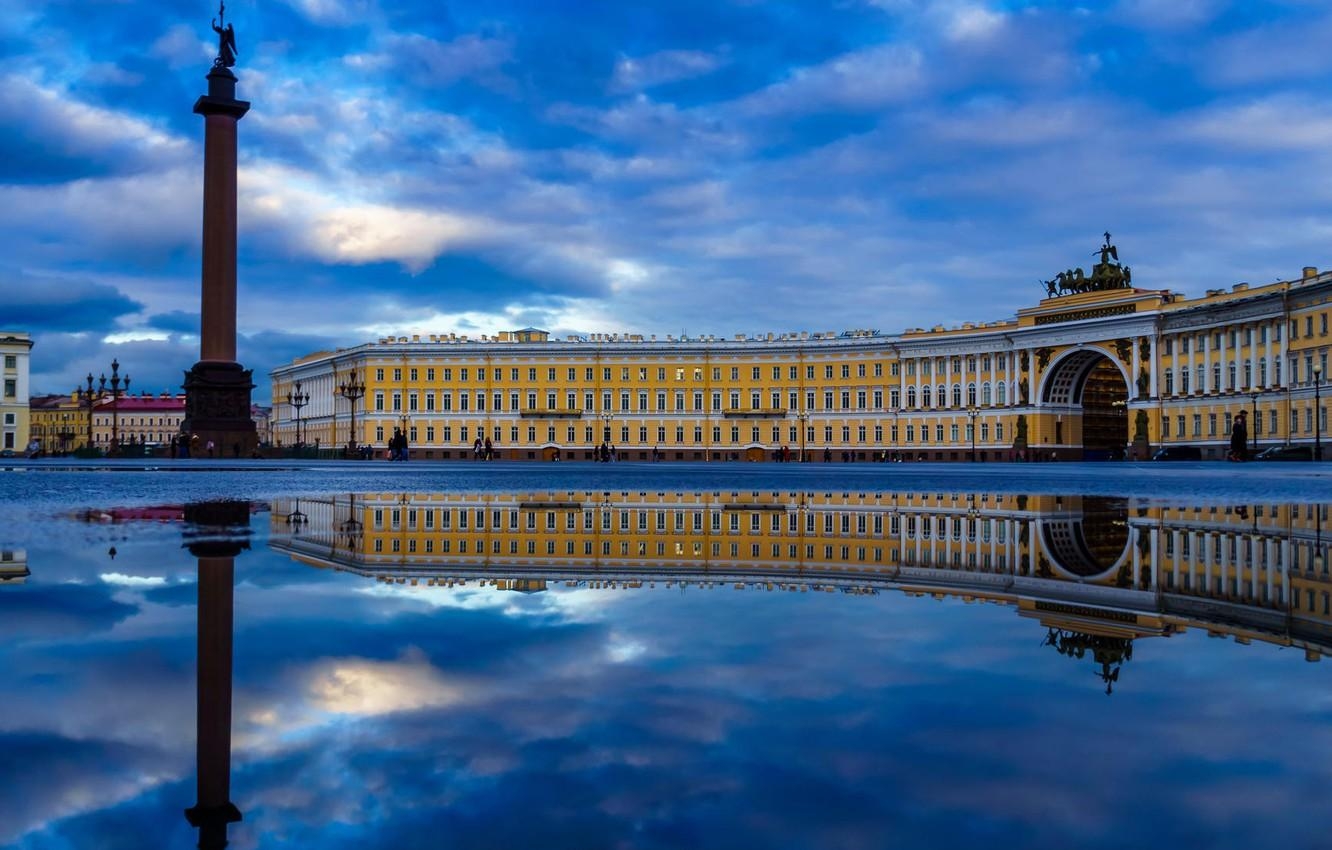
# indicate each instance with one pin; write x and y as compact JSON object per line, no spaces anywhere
{"x":217,"y":407}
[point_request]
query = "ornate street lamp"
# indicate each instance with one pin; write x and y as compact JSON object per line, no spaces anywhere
{"x":971,"y":430}
{"x":87,"y":398}
{"x":116,"y":392}
{"x":803,"y":417}
{"x":1318,"y":413}
{"x":1253,"y":396}
{"x":352,"y":390}
{"x":298,"y":400}
{"x":606,"y":417}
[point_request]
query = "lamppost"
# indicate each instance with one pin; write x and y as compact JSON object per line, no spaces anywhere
{"x":1253,"y":426}
{"x":297,"y":400}
{"x":606,"y":417}
{"x":803,"y":417}
{"x":87,"y":398}
{"x":971,"y":430}
{"x":352,"y":390}
{"x":116,"y":392}
{"x":1318,"y":413}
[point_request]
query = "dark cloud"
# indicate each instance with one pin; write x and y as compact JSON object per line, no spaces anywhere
{"x":42,"y":613}
{"x":57,"y":304}
{"x":177,"y":321}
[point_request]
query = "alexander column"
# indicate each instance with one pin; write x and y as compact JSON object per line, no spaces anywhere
{"x":217,"y":388}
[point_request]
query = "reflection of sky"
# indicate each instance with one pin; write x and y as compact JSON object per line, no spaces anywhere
{"x":368,"y":715}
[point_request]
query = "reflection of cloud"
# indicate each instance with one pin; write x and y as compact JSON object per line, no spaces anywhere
{"x":364,"y":687}
{"x":132,"y":581}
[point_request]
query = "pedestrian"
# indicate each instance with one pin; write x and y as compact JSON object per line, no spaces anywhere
{"x":1239,"y":438}
{"x":211,"y":446}
{"x":488,"y":450}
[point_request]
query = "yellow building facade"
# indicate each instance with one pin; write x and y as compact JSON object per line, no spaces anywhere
{"x":15,"y":351}
{"x":58,"y":423}
{"x":1099,"y":373}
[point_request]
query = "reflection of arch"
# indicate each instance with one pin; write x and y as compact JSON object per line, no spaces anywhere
{"x":1090,"y":544}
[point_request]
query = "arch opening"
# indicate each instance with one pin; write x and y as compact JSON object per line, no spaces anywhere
{"x":1094,"y":390}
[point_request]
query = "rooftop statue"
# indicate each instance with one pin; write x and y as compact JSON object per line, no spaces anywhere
{"x":226,"y":39}
{"x":1105,"y":275}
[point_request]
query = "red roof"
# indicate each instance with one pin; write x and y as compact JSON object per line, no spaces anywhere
{"x":147,"y":403}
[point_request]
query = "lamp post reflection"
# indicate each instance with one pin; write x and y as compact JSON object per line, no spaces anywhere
{"x":350,"y":530}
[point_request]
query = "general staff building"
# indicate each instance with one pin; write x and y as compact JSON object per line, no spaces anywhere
{"x":1101,"y":369}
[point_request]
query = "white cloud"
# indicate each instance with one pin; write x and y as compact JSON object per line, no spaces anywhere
{"x":666,"y":66}
{"x":974,"y":23}
{"x":1169,"y":14}
{"x":863,"y":80}
{"x":181,"y":47}
{"x":334,"y":12}
{"x":1278,"y":122}
{"x":439,"y":62}
{"x":363,"y":687}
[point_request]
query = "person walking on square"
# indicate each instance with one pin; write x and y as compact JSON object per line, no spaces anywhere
{"x":1239,"y":438}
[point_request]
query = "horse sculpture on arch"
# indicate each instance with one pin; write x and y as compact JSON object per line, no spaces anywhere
{"x":1106,"y":275}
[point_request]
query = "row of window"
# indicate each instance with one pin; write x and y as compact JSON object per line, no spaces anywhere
{"x":1231,"y":338}
{"x":1225,"y":421}
{"x":861,"y":434}
{"x":589,"y":373}
{"x":940,"y":365}
{"x":832,"y":522}
{"x":778,"y":399}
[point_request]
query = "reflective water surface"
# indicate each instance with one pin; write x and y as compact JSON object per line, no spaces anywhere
{"x":666,"y":669}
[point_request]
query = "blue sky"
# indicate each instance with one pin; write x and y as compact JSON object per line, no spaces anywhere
{"x":705,"y":167}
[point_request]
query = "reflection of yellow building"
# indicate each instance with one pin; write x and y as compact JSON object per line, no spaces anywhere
{"x":1090,"y":375}
{"x":14,"y":355}
{"x":1094,"y":566}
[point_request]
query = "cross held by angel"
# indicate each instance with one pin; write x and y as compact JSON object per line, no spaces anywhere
{"x":226,"y":40}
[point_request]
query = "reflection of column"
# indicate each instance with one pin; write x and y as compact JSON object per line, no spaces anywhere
{"x":1177,"y":537}
{"x":213,"y":747}
{"x":216,"y":537}
{"x":1223,"y":564}
{"x":1155,"y":566}
{"x":1208,"y":553}
{"x":1267,"y":568}
{"x":1137,"y":558}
